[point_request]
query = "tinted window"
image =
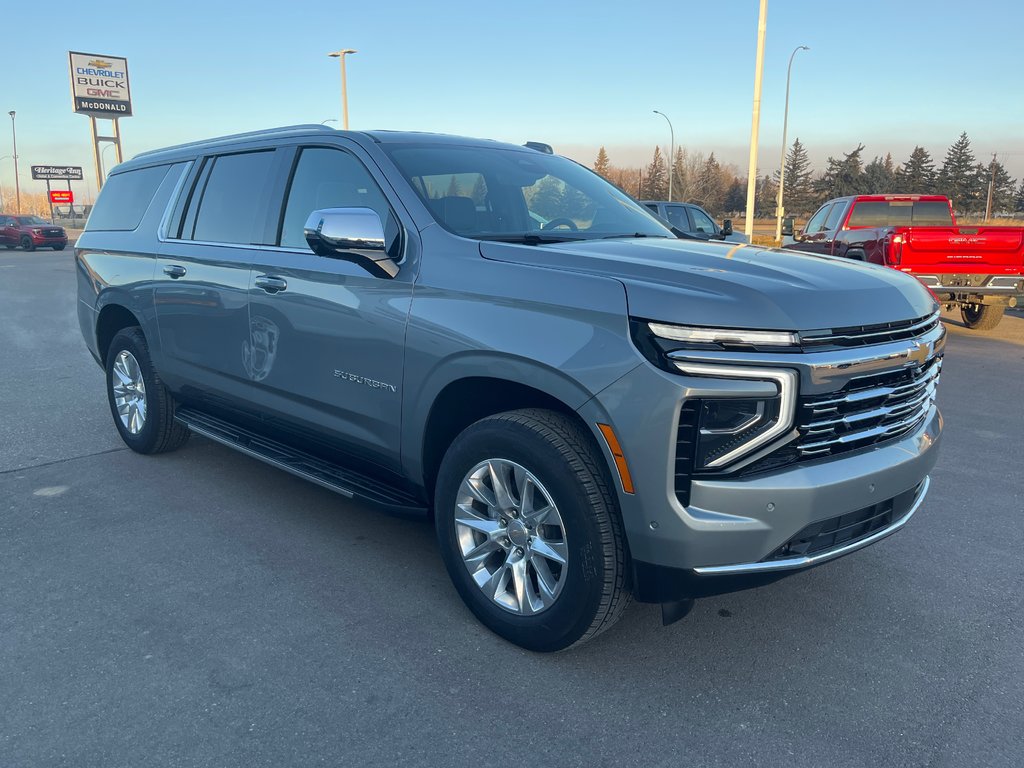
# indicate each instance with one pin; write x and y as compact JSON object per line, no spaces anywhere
{"x":702,"y":222}
{"x":817,"y":220}
{"x":652,"y":207}
{"x":896,"y":213}
{"x":676,"y":214}
{"x":124,"y":199}
{"x":328,"y":178}
{"x":229,"y":203}
{"x":835,"y":216}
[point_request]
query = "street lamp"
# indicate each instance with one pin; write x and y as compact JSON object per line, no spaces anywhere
{"x":103,"y":160}
{"x":344,"y":92}
{"x":782,"y":161}
{"x":328,"y":120}
{"x":671,"y":150}
{"x":17,"y":184}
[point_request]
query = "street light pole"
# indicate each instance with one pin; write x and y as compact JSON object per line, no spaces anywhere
{"x":17,"y":184}
{"x":779,"y":211}
{"x":671,"y":151}
{"x":755,"y":121}
{"x":344,"y":85}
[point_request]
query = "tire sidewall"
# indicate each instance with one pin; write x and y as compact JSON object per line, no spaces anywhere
{"x":133,"y":341}
{"x":579,"y":600}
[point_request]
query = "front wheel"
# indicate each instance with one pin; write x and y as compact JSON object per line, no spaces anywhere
{"x":981,"y":317}
{"x":27,"y":244}
{"x":141,"y":405}
{"x":530,"y":531}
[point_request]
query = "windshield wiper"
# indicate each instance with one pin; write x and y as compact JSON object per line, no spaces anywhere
{"x":633,"y":235}
{"x":529,"y":238}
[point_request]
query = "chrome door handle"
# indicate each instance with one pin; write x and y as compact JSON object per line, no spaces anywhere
{"x":174,"y":271}
{"x":271,"y":284}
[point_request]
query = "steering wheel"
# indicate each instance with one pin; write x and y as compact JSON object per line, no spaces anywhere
{"x":561,"y":221}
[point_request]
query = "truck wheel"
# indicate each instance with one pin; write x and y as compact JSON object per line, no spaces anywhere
{"x":142,"y":406}
{"x":981,"y":317}
{"x":27,"y":244}
{"x":529,"y":530}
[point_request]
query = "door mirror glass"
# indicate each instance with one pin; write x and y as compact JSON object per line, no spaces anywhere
{"x":351,"y":234}
{"x":787,"y":227}
{"x":727,"y":227}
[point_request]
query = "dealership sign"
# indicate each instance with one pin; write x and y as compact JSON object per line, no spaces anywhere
{"x":58,"y":196}
{"x":62,"y":172}
{"x":99,"y":85}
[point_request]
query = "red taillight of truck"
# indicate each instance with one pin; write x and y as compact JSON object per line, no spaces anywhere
{"x":894,"y":250}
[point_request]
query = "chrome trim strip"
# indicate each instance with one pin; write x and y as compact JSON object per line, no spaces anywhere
{"x":803,"y":562}
{"x":920,"y":327}
{"x":786,"y":380}
{"x":165,"y":220}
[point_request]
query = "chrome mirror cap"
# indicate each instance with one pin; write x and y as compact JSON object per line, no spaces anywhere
{"x":352,"y":234}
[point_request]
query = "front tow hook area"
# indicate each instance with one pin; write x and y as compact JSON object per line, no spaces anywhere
{"x":674,"y":611}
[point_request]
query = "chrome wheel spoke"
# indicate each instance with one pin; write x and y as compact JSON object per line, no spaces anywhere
{"x":129,"y":389}
{"x":516,"y":565}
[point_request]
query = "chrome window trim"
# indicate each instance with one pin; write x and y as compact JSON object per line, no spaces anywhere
{"x":803,"y":562}
{"x":165,"y":220}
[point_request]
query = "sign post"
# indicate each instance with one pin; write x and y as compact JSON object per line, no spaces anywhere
{"x":100,"y":90}
{"x":50,"y":172}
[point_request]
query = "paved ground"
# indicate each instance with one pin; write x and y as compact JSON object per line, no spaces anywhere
{"x":200,"y":609}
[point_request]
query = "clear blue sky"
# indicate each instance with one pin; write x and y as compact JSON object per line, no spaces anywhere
{"x":574,"y":74}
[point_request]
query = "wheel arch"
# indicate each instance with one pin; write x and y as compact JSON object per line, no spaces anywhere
{"x":112,"y":318}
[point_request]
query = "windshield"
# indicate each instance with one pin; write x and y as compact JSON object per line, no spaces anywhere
{"x":32,"y":220}
{"x":504,"y":194}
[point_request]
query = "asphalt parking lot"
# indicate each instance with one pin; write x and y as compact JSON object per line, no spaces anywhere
{"x":199,"y":608}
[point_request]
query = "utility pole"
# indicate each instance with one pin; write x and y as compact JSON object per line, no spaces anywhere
{"x":991,"y":189}
{"x":17,"y":183}
{"x":671,"y":151}
{"x":340,"y":55}
{"x":755,"y":121}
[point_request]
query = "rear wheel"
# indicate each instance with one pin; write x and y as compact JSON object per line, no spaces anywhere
{"x":529,"y":530}
{"x":27,"y":244}
{"x":141,"y":405}
{"x":981,"y":317}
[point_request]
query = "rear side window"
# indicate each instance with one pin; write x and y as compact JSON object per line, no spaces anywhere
{"x":900,"y":213}
{"x":676,"y":214}
{"x":124,"y":199}
{"x":229,"y":202}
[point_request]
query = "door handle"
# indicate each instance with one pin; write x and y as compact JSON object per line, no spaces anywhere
{"x":174,"y":271}
{"x":271,"y":284}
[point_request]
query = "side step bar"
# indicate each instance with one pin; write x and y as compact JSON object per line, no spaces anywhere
{"x":339,"y":479}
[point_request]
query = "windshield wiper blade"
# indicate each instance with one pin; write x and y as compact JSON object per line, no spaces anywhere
{"x":625,"y":235}
{"x":530,"y":238}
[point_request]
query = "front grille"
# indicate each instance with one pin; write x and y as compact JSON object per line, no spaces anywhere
{"x":864,"y":335}
{"x":836,"y":532}
{"x":867,"y":411}
{"x":53,"y":232}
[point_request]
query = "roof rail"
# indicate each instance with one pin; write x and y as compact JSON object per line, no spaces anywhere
{"x":266,"y":132}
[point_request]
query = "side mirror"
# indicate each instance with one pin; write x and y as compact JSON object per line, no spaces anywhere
{"x":787,"y":227}
{"x":727,"y":227}
{"x":351,"y":234}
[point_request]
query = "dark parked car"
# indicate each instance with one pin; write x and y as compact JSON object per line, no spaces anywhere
{"x":695,"y":221}
{"x":31,"y":232}
{"x":586,"y":406}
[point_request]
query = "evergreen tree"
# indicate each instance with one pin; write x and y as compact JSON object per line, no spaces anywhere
{"x":479,"y":193}
{"x":843,"y":177}
{"x":735,"y":196}
{"x":958,"y":178}
{"x":765,"y":196}
{"x":711,"y":185}
{"x":879,"y":177}
{"x":799,"y":192}
{"x":679,"y":174}
{"x":917,"y":176}
{"x":453,"y":188}
{"x":656,"y":178}
{"x":546,"y":199}
{"x":602,"y":166}
{"x":1019,"y":204}
{"x":1003,"y":187}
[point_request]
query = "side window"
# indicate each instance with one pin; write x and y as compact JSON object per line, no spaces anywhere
{"x":124,"y":199}
{"x":676,"y":214}
{"x":702,"y":222}
{"x":228,"y":204}
{"x":817,"y":220}
{"x":835,"y":216}
{"x":330,"y":178}
{"x":653,"y":207}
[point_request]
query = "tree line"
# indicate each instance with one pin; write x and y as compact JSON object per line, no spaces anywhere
{"x":703,"y":180}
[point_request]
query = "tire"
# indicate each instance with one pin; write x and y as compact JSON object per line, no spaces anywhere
{"x":157,"y":431}
{"x":981,"y":317}
{"x":568,"y":470}
{"x":59,"y":247}
{"x":27,"y":244}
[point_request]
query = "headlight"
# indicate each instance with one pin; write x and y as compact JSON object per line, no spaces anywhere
{"x":37,"y":231}
{"x":732,"y":428}
{"x":723,"y":336}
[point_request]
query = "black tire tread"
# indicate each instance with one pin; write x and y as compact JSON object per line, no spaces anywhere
{"x":585,"y":461}
{"x":171,"y":434}
{"x":989,"y":317}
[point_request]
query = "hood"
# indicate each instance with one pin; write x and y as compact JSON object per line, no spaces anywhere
{"x":736,"y":286}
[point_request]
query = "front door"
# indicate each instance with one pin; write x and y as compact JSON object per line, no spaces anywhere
{"x":327,"y":338}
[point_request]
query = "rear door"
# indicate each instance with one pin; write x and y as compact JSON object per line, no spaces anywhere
{"x":676,"y":215}
{"x":202,"y":275}
{"x":8,"y":231}
{"x":327,"y":339}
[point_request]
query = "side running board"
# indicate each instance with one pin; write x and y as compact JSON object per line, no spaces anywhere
{"x":347,"y":482}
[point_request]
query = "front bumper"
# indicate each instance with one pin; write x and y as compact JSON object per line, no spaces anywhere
{"x":44,"y":241}
{"x":725,"y":537}
{"x":969,"y":288}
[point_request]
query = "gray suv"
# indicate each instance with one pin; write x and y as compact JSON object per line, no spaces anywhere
{"x":588,"y":408}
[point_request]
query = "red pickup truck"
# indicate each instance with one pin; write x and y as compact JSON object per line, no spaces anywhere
{"x":978,"y":269}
